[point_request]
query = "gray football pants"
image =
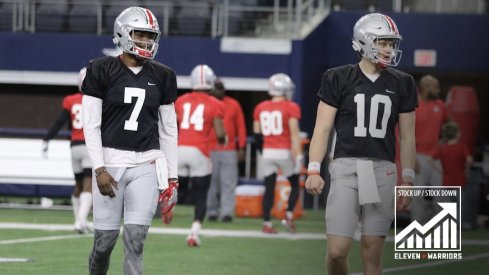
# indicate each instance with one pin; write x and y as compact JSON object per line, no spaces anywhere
{"x":221,"y":197}
{"x":104,"y":242}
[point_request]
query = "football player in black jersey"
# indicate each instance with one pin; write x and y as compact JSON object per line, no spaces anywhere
{"x":364,"y":103}
{"x":130,"y":129}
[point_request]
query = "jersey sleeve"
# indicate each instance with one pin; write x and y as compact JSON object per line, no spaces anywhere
{"x":295,"y":110}
{"x":256,"y":112}
{"x":410,"y":96}
{"x":170,"y":88}
{"x":329,"y":91}
{"x":93,"y":85}
{"x":66,"y":104}
{"x":240,"y":125}
{"x":219,"y":108}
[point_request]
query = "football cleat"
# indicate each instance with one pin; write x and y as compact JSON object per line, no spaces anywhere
{"x":167,"y":200}
{"x":289,"y":225}
{"x":193,"y":240}
{"x":269,"y":230}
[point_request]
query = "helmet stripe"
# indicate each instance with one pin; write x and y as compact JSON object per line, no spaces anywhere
{"x":202,"y":81}
{"x":392,"y":25}
{"x":150,"y":18}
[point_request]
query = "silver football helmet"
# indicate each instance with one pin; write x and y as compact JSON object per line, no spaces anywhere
{"x":136,"y":19}
{"x":202,"y":77}
{"x":373,"y":27}
{"x":281,"y":85}
{"x":81,"y":77}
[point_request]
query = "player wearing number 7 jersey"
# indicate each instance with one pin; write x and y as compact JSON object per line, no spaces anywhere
{"x":131,"y":133}
{"x":198,"y":114}
{"x":364,"y":103}
{"x":277,"y":122}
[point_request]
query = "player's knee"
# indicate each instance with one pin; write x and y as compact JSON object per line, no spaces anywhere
{"x":337,"y":256}
{"x":104,"y":242}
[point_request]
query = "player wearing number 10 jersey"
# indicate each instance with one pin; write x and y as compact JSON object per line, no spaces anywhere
{"x":198,"y":114}
{"x":364,"y":103}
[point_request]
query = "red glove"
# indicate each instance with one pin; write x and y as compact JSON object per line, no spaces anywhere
{"x":168,"y":199}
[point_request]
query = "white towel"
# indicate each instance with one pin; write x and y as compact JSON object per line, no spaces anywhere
{"x":162,"y":173}
{"x":367,"y":185}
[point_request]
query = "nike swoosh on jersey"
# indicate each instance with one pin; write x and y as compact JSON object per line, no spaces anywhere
{"x":389,"y":91}
{"x":151,"y":84}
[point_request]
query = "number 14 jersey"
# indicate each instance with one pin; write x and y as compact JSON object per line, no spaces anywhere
{"x":195,"y":115}
{"x":367,"y":112}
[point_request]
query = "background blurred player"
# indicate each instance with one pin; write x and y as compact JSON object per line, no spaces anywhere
{"x":198,"y":114}
{"x":81,"y":197}
{"x":221,"y":199}
{"x":131,"y":133}
{"x":276,"y":127}
{"x":430,"y":116}
{"x":364,"y":102}
{"x":454,"y":157}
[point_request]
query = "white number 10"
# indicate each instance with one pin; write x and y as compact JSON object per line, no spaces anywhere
{"x":360,"y":130}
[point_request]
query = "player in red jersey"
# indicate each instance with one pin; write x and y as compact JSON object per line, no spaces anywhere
{"x":454,"y":156}
{"x":198,"y":113}
{"x":276,"y":121}
{"x":221,"y":198}
{"x":430,"y":116}
{"x":81,"y":197}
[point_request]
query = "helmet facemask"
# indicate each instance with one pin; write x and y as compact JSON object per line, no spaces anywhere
{"x":375,"y":53}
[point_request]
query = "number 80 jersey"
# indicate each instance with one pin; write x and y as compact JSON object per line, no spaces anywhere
{"x":367,"y":112}
{"x":274,"y":122}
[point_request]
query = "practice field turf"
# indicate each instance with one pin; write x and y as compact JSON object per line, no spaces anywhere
{"x":227,"y":248}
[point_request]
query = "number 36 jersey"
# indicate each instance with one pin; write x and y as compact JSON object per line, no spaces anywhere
{"x":130,"y":101}
{"x":274,"y":122}
{"x":367,"y":112}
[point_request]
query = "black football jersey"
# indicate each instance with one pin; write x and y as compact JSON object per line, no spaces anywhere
{"x":130,"y":101}
{"x":367,"y":112}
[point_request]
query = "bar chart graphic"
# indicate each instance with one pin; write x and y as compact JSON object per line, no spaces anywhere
{"x":441,"y":233}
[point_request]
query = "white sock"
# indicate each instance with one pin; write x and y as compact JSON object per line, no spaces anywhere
{"x":268,"y":223}
{"x":85,"y":207}
{"x":289,"y":215}
{"x":195,"y":228}
{"x":76,"y":205}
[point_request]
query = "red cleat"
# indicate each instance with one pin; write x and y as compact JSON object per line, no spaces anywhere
{"x":269,"y":230}
{"x":193,"y":240}
{"x":289,"y":225}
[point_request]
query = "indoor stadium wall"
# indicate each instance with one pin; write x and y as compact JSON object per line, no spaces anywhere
{"x":459,"y":41}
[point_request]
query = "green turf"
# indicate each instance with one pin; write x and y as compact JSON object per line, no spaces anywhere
{"x":168,"y":254}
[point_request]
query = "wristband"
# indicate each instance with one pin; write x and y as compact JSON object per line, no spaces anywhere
{"x":314,"y":166}
{"x":408,"y":172}
{"x":313,"y":172}
{"x":99,"y":173}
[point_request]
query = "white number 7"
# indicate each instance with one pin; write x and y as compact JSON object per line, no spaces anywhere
{"x":132,"y":124}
